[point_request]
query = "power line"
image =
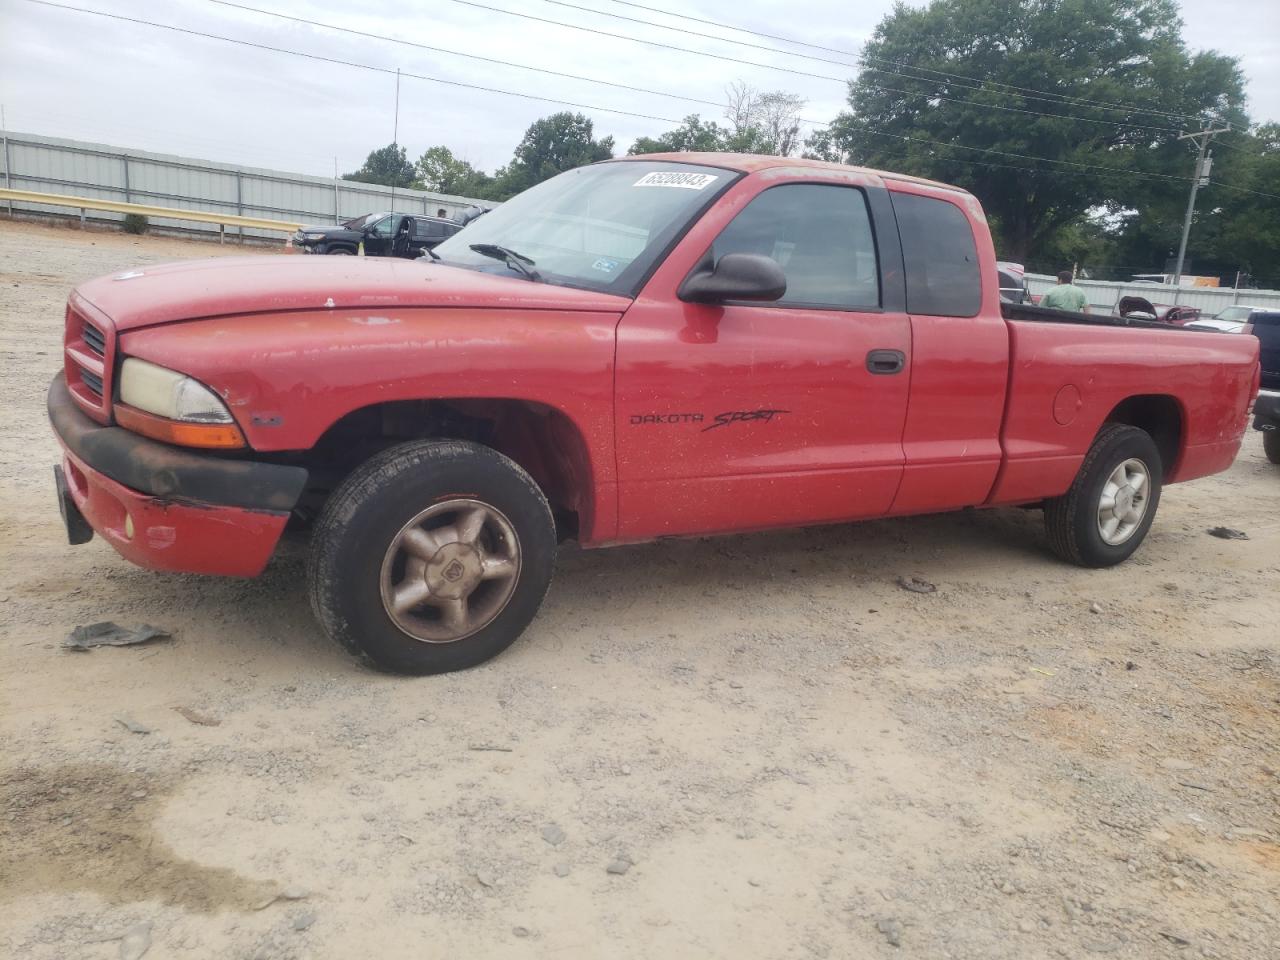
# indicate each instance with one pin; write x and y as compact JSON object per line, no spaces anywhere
{"x":457,"y":53}
{"x":1024,"y":156}
{"x":386,"y":70}
{"x":865,"y":58}
{"x":799,"y":73}
{"x":415,"y":44}
{"x":344,"y":63}
{"x":840,"y":63}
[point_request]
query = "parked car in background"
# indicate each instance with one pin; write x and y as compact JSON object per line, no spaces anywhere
{"x":1265,"y":325}
{"x":1237,"y":313}
{"x":1140,"y":308}
{"x":382,"y":234}
{"x":1214,"y":325}
{"x":1013,"y":282}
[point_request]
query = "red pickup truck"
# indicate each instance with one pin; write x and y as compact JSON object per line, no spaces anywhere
{"x":658,"y":346}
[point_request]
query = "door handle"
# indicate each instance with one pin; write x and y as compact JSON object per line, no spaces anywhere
{"x":886,"y":361}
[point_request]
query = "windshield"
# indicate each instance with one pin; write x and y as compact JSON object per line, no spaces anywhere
{"x":364,"y":220}
{"x":1235,"y":313}
{"x":601,"y":227}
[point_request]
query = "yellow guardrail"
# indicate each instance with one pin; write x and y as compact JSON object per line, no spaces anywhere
{"x":169,"y":213}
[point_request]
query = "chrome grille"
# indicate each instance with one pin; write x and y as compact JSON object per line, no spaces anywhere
{"x":94,"y":339}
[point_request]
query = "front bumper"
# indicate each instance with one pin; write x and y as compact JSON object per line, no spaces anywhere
{"x":166,"y":508}
{"x":1266,"y":410}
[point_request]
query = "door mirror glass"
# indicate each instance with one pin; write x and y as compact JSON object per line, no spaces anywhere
{"x":736,"y":276}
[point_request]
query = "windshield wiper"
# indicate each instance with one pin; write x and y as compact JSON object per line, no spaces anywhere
{"x":516,"y":261}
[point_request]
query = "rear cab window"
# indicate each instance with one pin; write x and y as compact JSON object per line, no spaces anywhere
{"x":940,"y":257}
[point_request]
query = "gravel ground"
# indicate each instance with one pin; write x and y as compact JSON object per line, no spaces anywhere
{"x":754,"y":746}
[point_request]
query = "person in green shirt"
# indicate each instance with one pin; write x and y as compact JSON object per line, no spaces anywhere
{"x":1066,"y":295}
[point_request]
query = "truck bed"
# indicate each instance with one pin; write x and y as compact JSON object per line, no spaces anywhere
{"x":1033,"y":314}
{"x":1069,"y":373}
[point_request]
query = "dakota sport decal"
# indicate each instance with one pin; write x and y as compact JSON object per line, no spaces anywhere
{"x":765,"y":414}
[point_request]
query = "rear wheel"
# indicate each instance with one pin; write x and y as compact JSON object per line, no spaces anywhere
{"x":1105,"y":515}
{"x":1271,"y":445}
{"x":433,"y":556}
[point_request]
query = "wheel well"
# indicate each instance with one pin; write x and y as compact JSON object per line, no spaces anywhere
{"x":1160,"y":415}
{"x":541,"y":439}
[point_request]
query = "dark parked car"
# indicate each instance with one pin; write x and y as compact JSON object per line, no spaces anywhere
{"x":1013,"y":282}
{"x":383,"y":235}
{"x":1265,"y":325}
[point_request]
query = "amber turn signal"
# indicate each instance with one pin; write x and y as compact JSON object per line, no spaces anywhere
{"x":211,"y":436}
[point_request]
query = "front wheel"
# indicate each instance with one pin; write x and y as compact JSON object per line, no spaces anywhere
{"x":340,"y":252}
{"x":1271,"y":445}
{"x":1105,"y":515}
{"x":432,"y":556}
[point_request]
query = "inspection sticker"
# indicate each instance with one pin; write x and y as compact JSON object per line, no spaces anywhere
{"x":689,"y":181}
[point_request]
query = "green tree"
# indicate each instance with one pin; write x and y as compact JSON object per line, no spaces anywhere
{"x":387,"y":165}
{"x":1248,"y":233}
{"x":694,"y":135}
{"x":935,"y":80}
{"x":758,"y":122}
{"x":439,"y":170}
{"x":550,"y":146}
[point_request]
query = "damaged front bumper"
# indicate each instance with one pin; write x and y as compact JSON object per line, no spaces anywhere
{"x":164,"y":507}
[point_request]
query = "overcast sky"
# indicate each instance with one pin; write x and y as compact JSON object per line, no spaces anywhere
{"x":84,"y":77}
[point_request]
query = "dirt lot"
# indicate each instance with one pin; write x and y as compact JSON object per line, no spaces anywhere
{"x":795,"y":756}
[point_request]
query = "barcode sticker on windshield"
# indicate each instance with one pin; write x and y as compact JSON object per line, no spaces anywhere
{"x":689,"y":181}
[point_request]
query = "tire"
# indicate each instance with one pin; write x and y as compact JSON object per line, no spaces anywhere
{"x":381,"y":532}
{"x":1074,"y":520}
{"x":1271,"y":445}
{"x":340,"y":252}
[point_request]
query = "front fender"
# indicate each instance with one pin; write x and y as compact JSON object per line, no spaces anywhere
{"x":287,"y":378}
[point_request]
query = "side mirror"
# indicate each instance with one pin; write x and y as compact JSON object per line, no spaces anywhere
{"x":737,"y":276}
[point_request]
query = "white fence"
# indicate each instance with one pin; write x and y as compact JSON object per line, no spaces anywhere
{"x":52,"y":165}
{"x":1103,"y":295}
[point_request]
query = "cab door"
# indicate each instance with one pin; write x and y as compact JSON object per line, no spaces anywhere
{"x":742,"y":416}
{"x":377,"y":237}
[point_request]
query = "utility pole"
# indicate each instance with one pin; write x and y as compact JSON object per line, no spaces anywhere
{"x":395,"y":143}
{"x":8,"y":174}
{"x":1203,"y":163}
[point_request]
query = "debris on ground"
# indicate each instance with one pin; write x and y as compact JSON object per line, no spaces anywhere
{"x":135,"y":942}
{"x":1227,"y":533}
{"x":489,"y":747}
{"x":288,"y":893}
{"x":132,"y":725}
{"x":892,"y":931}
{"x":196,"y":717}
{"x":108,"y":634}
{"x":916,"y":585}
{"x":553,"y":834}
{"x":1095,"y":607}
{"x":303,"y":921}
{"x":620,"y":865}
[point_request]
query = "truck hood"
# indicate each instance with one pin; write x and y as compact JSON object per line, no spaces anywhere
{"x":200,"y":289}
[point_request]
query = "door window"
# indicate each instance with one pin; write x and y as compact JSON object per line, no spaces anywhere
{"x":821,"y":237}
{"x":382,"y":228}
{"x":939,"y":255}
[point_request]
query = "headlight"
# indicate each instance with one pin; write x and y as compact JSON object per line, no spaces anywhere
{"x":170,"y":406}
{"x":313,"y":236}
{"x":167,"y":393}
